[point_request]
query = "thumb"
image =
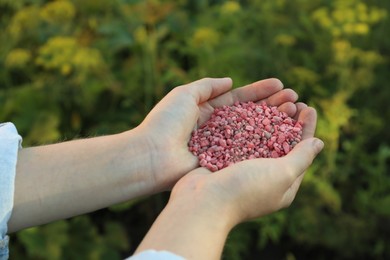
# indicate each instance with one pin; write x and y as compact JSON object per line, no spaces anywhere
{"x":303,"y":154}
{"x":208,"y":88}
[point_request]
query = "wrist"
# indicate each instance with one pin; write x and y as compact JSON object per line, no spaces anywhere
{"x":169,"y":159}
{"x":203,"y":215}
{"x":190,"y":227}
{"x":197,"y":194}
{"x":136,"y":158}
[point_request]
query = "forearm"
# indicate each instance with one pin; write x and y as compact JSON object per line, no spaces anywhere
{"x":189,"y":229}
{"x":71,"y":178}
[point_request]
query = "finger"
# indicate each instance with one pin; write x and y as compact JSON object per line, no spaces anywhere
{"x":253,"y":92}
{"x":204,"y":89}
{"x":303,"y":154}
{"x":289,"y":108}
{"x":280,"y":97}
{"x":290,"y":194}
{"x":308,"y":116}
{"x":201,"y":171}
{"x":300,"y":106}
{"x":258,"y":90}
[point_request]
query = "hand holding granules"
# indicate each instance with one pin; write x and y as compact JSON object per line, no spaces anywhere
{"x":244,"y":131}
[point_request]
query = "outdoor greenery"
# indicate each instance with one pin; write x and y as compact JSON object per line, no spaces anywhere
{"x":72,"y":69}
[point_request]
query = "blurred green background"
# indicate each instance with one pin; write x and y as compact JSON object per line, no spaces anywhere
{"x":72,"y":69}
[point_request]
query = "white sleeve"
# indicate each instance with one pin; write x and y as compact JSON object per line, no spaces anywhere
{"x":10,"y":142}
{"x":155,"y":255}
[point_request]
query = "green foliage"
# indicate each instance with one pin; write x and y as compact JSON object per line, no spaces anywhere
{"x":79,"y":68}
{"x":74,"y":239}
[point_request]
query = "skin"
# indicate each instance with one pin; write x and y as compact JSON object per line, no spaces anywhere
{"x":169,"y":128}
{"x":71,"y":178}
{"x":205,"y":206}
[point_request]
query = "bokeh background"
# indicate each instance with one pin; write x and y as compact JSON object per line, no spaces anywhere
{"x":72,"y":69}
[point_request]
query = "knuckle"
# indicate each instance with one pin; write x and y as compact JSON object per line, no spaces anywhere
{"x":206,"y":81}
{"x":290,"y":174}
{"x":180,"y":90}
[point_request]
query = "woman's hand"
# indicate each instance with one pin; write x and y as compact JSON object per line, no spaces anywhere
{"x":257,"y":187}
{"x":205,"y":206}
{"x":70,"y":178}
{"x":169,"y":125}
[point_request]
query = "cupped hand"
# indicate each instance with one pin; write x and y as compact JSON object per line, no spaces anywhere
{"x":169,"y":125}
{"x":253,"y":188}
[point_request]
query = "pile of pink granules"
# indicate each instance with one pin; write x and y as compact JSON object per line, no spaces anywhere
{"x":244,"y":131}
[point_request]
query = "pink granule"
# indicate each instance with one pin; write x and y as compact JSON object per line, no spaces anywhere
{"x":244,"y":131}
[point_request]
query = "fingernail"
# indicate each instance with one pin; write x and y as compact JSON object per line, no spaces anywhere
{"x":319,"y":144}
{"x":227,"y":79}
